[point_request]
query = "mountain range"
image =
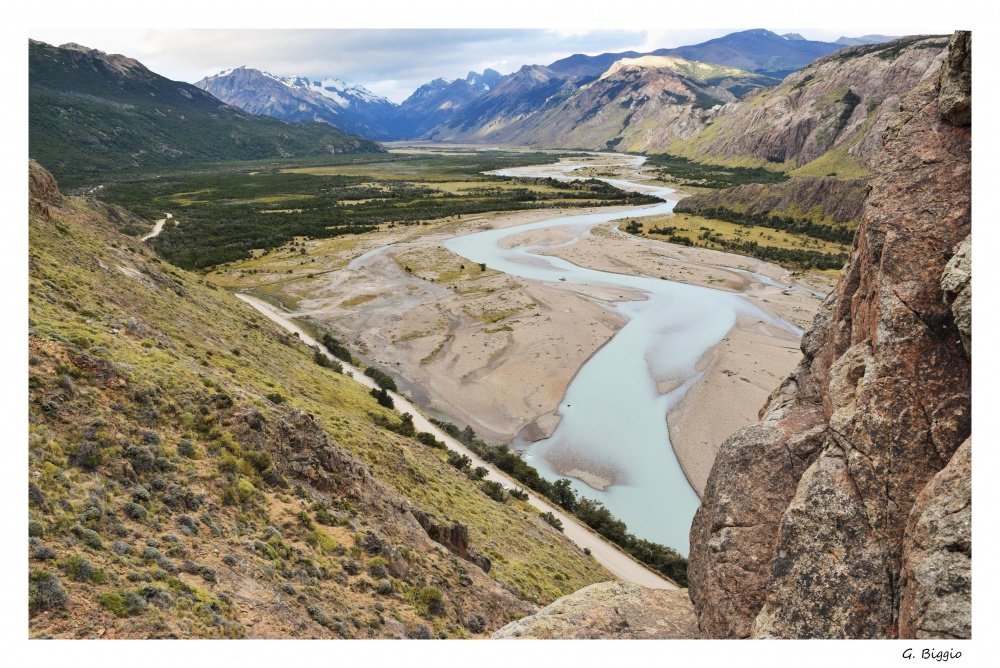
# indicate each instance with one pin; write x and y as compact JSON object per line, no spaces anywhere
{"x":482,"y":105}
{"x":90,"y":112}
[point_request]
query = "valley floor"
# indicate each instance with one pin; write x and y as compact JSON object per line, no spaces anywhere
{"x":498,"y":352}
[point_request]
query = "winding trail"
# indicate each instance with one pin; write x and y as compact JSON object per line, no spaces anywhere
{"x":156,"y":228}
{"x":614,"y":560}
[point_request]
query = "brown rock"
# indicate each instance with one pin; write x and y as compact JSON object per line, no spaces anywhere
{"x":955,"y":98}
{"x":796,"y":541}
{"x":455,"y":537}
{"x":957,"y":285}
{"x":937,"y":562}
{"x":610,"y":610}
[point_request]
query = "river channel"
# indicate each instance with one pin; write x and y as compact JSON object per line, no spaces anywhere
{"x":613,"y":424}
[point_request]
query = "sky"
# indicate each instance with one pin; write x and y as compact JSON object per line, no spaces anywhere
{"x":415,"y":44}
{"x":391,"y":63}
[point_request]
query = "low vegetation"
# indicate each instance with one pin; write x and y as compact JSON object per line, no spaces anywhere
{"x":226,"y":212}
{"x":683,"y":172}
{"x":164,"y":418}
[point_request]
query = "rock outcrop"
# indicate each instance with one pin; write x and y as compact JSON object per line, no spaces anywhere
{"x":816,"y":522}
{"x":610,"y":610}
{"x":937,"y":564}
{"x":454,"y":536}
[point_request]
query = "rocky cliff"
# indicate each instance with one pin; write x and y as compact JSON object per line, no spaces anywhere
{"x":846,"y":511}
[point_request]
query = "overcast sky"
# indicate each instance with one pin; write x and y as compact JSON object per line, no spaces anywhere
{"x":394,"y":62}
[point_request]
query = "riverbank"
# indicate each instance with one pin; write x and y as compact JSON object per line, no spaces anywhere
{"x":739,"y":373}
{"x":617,"y":562}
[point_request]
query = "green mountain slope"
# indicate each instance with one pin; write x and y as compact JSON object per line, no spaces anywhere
{"x":194,"y":473}
{"x":90,"y":112}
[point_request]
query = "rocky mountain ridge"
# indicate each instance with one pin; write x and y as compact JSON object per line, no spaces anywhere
{"x":353,"y":109}
{"x":826,"y":119}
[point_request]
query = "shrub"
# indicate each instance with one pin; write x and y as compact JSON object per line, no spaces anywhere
{"x":288,"y":589}
{"x":135,"y":511}
{"x":45,"y":592}
{"x":150,"y":553}
{"x":123,"y":604}
{"x":420,"y":632}
{"x":275,"y":397}
{"x":431,"y":600}
{"x":185,"y":448}
{"x":142,"y":458}
{"x":78,"y":568}
{"x":376,"y":567}
{"x":383,"y":398}
{"x":475,"y":624}
{"x":119,"y":547}
{"x":518,"y":494}
{"x":87,"y":456}
{"x":381,"y":378}
{"x":318,"y":615}
{"x":552,"y":520}
{"x":140,"y":494}
{"x":92,"y":539}
{"x":36,"y":528}
{"x":384,"y":587}
{"x":494,"y":490}
{"x":429,"y":440}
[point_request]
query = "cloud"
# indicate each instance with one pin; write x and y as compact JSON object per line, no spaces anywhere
{"x":389,"y":62}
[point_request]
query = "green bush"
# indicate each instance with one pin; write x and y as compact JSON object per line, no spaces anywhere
{"x":36,"y":529}
{"x":185,"y":448}
{"x":92,"y":539}
{"x":135,"y":511}
{"x":80,"y":569}
{"x":431,"y":600}
{"x":384,"y":587}
{"x":123,"y":604}
{"x":552,"y":520}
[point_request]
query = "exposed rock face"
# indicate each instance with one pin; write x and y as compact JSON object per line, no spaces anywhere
{"x":957,"y":285}
{"x":937,"y":564}
{"x":955,"y":98}
{"x":42,"y":189}
{"x":802,"y":528}
{"x":610,"y":610}
{"x":455,"y":537}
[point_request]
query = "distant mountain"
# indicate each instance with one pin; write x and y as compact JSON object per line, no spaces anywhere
{"x":826,"y":119}
{"x":638,"y":104}
{"x":353,"y":109}
{"x":864,"y":39}
{"x":760,"y":51}
{"x":90,"y":112}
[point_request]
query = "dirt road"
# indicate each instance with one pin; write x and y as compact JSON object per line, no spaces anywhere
{"x":617,"y":562}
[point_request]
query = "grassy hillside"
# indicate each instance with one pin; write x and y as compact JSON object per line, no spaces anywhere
{"x":90,"y":113}
{"x":194,"y":473}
